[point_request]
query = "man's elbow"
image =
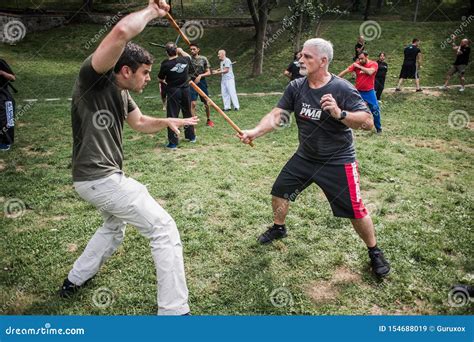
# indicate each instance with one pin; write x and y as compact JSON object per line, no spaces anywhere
{"x":368,"y":123}
{"x":120,"y":31}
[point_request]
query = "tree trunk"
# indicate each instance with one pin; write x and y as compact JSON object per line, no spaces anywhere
{"x":88,"y":5}
{"x":379,"y":4}
{"x":355,"y":5}
{"x":318,"y":26}
{"x":253,"y":13}
{"x":298,"y":33}
{"x":367,"y":9}
{"x":257,"y":68}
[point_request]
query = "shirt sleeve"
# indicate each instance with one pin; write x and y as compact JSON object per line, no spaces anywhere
{"x":131,"y":105}
{"x":287,"y":101}
{"x":207,"y":65}
{"x":351,"y":67}
{"x":88,"y":76}
{"x":5,"y":67}
{"x":161,"y":73}
{"x":227,"y":63}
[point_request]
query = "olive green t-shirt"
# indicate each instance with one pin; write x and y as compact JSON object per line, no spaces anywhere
{"x":98,"y":111}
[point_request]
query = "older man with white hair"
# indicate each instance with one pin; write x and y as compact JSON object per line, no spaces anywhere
{"x":229,"y":93}
{"x":326,"y":109}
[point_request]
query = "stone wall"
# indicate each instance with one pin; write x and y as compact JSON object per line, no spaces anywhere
{"x":14,"y":27}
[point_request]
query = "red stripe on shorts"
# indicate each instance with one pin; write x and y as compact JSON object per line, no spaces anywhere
{"x":352,"y":174}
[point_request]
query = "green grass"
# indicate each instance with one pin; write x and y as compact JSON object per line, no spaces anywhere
{"x":417,"y":178}
{"x":47,"y":62}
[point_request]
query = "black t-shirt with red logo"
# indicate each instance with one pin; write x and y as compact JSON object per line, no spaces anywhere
{"x":322,"y":138}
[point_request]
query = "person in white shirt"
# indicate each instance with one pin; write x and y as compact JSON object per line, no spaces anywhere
{"x":228,"y":82}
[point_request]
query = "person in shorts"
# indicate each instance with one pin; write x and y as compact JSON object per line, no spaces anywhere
{"x":411,"y":65}
{"x":459,"y":66}
{"x":326,"y":110}
{"x":199,"y":70}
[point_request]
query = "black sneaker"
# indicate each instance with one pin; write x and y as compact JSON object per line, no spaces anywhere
{"x":398,"y":89}
{"x":379,"y":265}
{"x":69,"y":289}
{"x":271,"y":234}
{"x":419,"y":90}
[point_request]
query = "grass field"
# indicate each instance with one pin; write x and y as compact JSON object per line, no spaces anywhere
{"x":417,"y":181}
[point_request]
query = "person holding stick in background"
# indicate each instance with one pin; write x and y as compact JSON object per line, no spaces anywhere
{"x":200,"y":69}
{"x":175,"y":72}
{"x":228,"y":82}
{"x":460,"y":64}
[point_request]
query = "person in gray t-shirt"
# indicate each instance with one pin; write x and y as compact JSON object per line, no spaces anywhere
{"x":229,"y":93}
{"x":326,"y":109}
{"x":100,"y":104}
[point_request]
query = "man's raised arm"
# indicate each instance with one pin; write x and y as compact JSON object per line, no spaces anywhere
{"x":111,"y":48}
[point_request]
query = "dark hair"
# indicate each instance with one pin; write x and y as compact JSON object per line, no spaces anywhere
{"x":365,"y":53}
{"x":381,"y":53}
{"x":194,"y":44}
{"x":171,"y":49}
{"x":133,"y":56}
{"x":296,"y":54}
{"x":415,"y":40}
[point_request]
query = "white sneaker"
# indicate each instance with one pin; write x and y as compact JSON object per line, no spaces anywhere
{"x":461,"y":89}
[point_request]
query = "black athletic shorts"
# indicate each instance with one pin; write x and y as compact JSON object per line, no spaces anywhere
{"x":340,"y":184}
{"x":409,"y":71}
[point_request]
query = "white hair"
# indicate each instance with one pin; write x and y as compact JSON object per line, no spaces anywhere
{"x":324,"y":47}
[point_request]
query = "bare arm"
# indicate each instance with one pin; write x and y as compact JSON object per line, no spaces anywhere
{"x":419,"y":59}
{"x":342,"y":73}
{"x":147,"y":124}
{"x":287,"y":73}
{"x":110,"y":49}
{"x":7,"y":75}
{"x":268,"y":123}
{"x":368,"y":71}
{"x":183,"y":53}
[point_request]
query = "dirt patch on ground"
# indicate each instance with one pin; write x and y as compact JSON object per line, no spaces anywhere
{"x":437,"y":144}
{"x":328,"y":290}
{"x":58,"y":218}
{"x":71,"y":247}
{"x":2,"y":165}
{"x":31,"y":150}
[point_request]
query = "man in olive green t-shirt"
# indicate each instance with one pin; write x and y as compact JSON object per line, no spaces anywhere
{"x":100,"y":104}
